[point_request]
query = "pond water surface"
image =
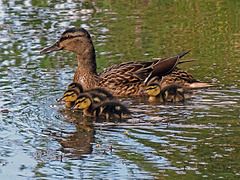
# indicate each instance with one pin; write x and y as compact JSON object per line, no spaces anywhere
{"x":39,"y":139}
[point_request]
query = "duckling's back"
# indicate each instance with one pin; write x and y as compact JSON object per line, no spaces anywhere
{"x":173,"y":93}
{"x":112,"y":108}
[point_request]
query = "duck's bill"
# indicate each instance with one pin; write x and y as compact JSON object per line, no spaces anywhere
{"x":74,"y":108}
{"x":143,"y":93}
{"x":59,"y":100}
{"x":49,"y":49}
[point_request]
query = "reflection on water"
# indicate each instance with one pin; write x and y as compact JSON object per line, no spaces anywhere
{"x":40,"y":139}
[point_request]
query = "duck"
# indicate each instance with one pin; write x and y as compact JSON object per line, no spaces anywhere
{"x":125,"y":79}
{"x":171,"y":93}
{"x":108,"y":108}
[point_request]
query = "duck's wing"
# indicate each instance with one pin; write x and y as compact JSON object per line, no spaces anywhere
{"x":125,"y":78}
{"x":127,"y":67}
{"x":159,"y":66}
{"x":128,"y":78}
{"x":165,"y":66}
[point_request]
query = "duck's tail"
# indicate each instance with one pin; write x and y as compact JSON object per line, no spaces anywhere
{"x":165,"y":66}
{"x":183,"y":53}
{"x":189,"y":60}
{"x":200,"y":85}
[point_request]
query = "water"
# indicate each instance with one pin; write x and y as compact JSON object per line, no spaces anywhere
{"x":41,"y":140}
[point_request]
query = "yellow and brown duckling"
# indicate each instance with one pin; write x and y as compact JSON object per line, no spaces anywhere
{"x":98,"y":94}
{"x":75,"y":89}
{"x":125,"y":79}
{"x":170,"y":93}
{"x":97,"y":91}
{"x":69,"y":97}
{"x":108,"y":108}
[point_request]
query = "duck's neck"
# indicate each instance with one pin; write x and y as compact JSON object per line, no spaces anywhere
{"x":86,"y":73}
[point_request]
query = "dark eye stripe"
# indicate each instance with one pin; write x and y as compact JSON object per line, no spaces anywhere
{"x":69,"y":37}
{"x":66,"y":95}
{"x":151,"y":88}
{"x":80,"y":101}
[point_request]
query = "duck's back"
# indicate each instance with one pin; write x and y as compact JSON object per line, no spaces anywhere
{"x":178,"y":76}
{"x":126,"y":79}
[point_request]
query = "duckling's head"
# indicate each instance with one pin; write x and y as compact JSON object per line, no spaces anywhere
{"x":69,"y":95}
{"x":83,"y":101}
{"x":153,"y":89}
{"x":74,"y":39}
{"x":77,"y":86}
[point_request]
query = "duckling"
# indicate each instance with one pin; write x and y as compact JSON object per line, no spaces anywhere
{"x":98,"y":94}
{"x":125,"y":79}
{"x":69,"y":97}
{"x":108,"y":108}
{"x":100,"y":91}
{"x":170,"y":93}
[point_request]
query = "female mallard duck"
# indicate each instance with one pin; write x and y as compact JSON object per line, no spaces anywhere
{"x":170,"y":93}
{"x":109,"y":108}
{"x":125,"y":79}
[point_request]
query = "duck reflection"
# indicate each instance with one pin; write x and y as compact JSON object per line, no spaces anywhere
{"x":75,"y":144}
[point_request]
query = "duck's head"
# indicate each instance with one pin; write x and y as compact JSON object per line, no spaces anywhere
{"x":77,"y":86}
{"x":83,"y":101}
{"x":73,"y":39}
{"x":69,"y":95}
{"x":153,"y":89}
